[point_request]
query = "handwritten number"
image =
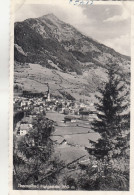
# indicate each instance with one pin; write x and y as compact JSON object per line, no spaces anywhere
{"x":81,"y":2}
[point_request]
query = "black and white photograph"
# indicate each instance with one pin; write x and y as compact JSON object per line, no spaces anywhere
{"x":71,"y":96}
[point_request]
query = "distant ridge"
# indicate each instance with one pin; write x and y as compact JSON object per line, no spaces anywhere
{"x":44,"y":39}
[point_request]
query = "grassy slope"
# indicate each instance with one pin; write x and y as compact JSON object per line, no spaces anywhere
{"x":35,"y":76}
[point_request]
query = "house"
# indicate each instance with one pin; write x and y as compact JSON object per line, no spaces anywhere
{"x":58,"y":139}
{"x":66,"y":111}
{"x":37,"y":109}
{"x":23,"y":129}
{"x":27,"y":120}
{"x":76,"y":112}
{"x":70,"y":119}
{"x":23,"y":103}
{"x":92,"y":115}
{"x":82,"y":105}
{"x":84,"y":114}
{"x":84,"y":163}
{"x":25,"y":108}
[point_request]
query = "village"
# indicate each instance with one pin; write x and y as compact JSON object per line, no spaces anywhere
{"x":32,"y":104}
{"x":72,"y":135}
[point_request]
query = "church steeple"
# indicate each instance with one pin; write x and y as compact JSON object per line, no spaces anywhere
{"x":48,"y":93}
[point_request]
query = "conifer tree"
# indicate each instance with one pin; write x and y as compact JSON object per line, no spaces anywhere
{"x":112,"y":120}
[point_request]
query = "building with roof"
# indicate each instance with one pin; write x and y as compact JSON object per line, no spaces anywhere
{"x":70,"y":118}
{"x":23,"y":129}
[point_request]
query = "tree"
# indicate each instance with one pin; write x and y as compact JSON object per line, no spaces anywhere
{"x":33,"y":157}
{"x":111,"y":107}
{"x":112,"y":170}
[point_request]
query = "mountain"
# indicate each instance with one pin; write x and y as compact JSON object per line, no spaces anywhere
{"x":58,"y":46}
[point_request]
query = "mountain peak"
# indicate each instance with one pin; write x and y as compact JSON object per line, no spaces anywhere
{"x":61,"y":43}
{"x":49,"y":16}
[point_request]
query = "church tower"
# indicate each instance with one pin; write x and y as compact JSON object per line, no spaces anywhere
{"x":48,"y":94}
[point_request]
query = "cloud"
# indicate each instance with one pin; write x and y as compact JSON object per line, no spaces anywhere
{"x":120,"y":17}
{"x":121,"y":44}
{"x":66,"y":12}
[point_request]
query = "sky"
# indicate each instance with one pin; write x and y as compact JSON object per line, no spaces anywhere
{"x":108,"y":24}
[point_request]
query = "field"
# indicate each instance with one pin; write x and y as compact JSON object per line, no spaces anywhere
{"x":71,"y":139}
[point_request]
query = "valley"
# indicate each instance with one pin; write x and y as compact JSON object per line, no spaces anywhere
{"x":63,"y":132}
